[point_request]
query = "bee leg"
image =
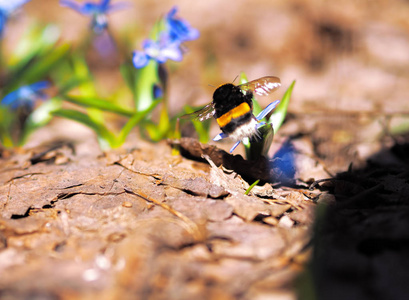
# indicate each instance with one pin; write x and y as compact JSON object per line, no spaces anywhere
{"x":267,"y":110}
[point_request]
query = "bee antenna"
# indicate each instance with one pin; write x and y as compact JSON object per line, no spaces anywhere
{"x":211,"y":85}
{"x":235,"y":78}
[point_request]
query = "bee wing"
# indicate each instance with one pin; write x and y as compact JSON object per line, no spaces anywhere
{"x":201,"y":114}
{"x":262,"y":86}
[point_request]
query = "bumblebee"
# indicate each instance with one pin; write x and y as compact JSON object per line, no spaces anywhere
{"x":232,"y":107}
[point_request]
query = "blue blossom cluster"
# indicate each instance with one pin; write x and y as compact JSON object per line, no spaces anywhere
{"x":7,"y":7}
{"x":26,"y":96}
{"x":168,"y":44}
{"x":19,"y":98}
{"x":97,"y":11}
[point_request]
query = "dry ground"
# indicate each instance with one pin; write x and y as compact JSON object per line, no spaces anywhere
{"x":139,"y":223}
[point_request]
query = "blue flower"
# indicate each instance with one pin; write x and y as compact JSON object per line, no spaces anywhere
{"x":97,"y":11}
{"x":259,"y":117}
{"x":7,"y":7}
{"x":160,"y":50}
{"x":284,"y":163}
{"x":168,"y":45}
{"x":179,"y":29}
{"x":26,"y":95}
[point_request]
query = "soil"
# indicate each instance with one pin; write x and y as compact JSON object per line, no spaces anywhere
{"x":141,"y":223}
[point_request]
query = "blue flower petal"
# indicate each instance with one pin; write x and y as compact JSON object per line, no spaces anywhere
{"x":26,"y":95}
{"x":148,"y":44}
{"x":179,"y":29}
{"x":40,"y":85}
{"x":220,"y":136}
{"x":172,"y":52}
{"x":8,"y":6}
{"x":173,"y":11}
{"x":91,"y":8}
{"x":140,"y":59}
{"x":3,"y":19}
{"x":71,"y":4}
{"x":104,"y":4}
{"x":168,"y":44}
{"x":157,"y":92}
{"x":267,"y":110}
{"x":10,"y":98}
{"x":117,"y":6}
{"x":234,"y":146}
{"x":284,"y":160}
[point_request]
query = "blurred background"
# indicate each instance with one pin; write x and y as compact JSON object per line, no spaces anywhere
{"x":350,"y":60}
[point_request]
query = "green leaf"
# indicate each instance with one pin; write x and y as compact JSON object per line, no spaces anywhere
{"x":145,"y":80}
{"x":94,"y":102}
{"x":106,"y":138}
{"x":40,"y":117}
{"x":202,"y":128}
{"x":257,"y":147}
{"x":153,"y":131}
{"x":278,"y":115}
{"x":66,"y":86}
{"x":164,"y":121}
{"x":251,"y":187}
{"x":7,"y":119}
{"x":38,"y":68}
{"x":35,"y":42}
{"x":132,"y":122}
{"x":156,"y":132}
{"x":243,"y":78}
{"x":82,"y":71}
{"x":128,"y":74}
{"x":66,"y":78}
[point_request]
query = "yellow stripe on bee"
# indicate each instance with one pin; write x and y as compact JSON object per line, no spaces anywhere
{"x":236,"y":112}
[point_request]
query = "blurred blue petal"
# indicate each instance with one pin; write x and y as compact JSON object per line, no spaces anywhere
{"x":157,"y":92}
{"x":7,"y":7}
{"x":168,"y":44}
{"x":26,"y":95}
{"x":171,"y":51}
{"x":179,"y":29}
{"x":40,"y":85}
{"x":91,"y":8}
{"x":220,"y":136}
{"x":283,"y":163}
{"x":3,"y":19}
{"x":105,"y":3}
{"x":71,"y":4}
{"x":234,"y":146}
{"x":140,"y":59}
{"x":117,"y":6}
{"x":97,"y":11}
{"x":267,"y":110}
{"x":159,"y":51}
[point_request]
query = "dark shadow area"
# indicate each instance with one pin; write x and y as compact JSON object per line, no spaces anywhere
{"x":361,"y":244}
{"x":280,"y":169}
